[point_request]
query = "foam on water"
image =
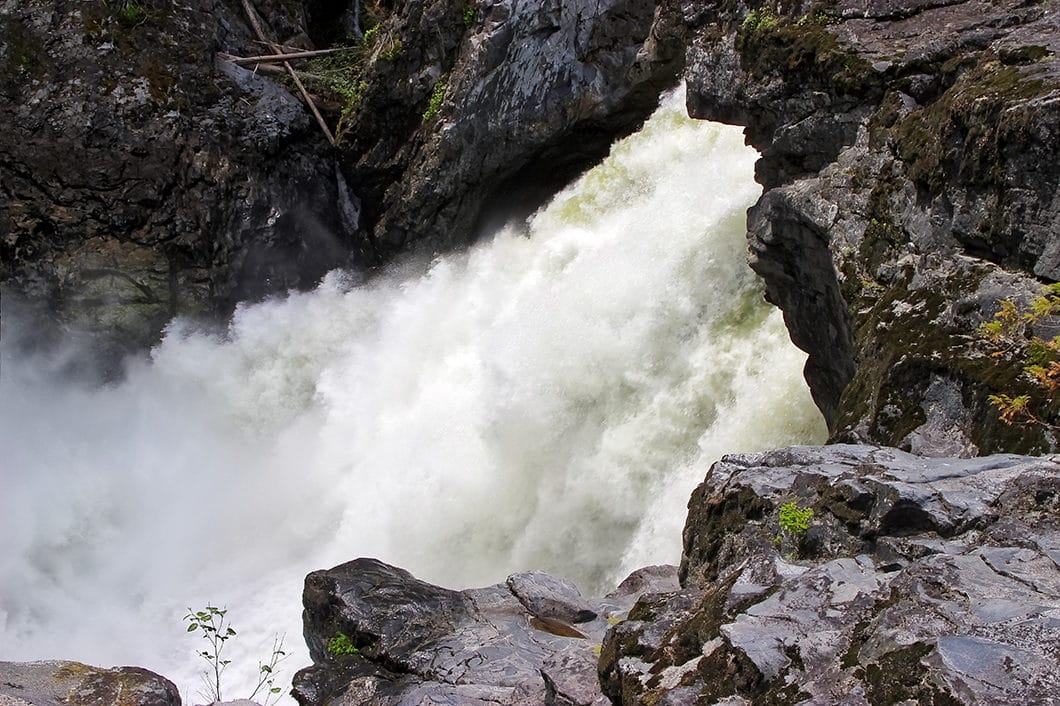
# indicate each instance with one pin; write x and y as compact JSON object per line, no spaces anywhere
{"x":546,"y":400}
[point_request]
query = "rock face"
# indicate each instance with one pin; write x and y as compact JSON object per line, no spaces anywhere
{"x":140,"y":177}
{"x":910,"y":156}
{"x":76,"y":684}
{"x":471,"y":108}
{"x":931,"y":581}
{"x":379,"y":637}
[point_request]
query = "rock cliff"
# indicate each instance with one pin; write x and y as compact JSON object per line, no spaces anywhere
{"x":141,"y":178}
{"x":909,"y":160}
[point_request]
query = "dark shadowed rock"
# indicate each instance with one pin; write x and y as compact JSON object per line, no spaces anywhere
{"x":530,"y":94}
{"x":74,"y":684}
{"x":418,"y":643}
{"x":143,"y":177}
{"x":933,"y":581}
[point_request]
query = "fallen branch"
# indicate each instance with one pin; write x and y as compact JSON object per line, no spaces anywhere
{"x":255,"y":24}
{"x":276,"y":58}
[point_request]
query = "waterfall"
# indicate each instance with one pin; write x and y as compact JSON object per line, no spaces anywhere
{"x":545,"y":400}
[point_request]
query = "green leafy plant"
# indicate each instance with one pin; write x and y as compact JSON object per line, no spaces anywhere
{"x":469,"y":15}
{"x":794,"y":519}
{"x":437,"y":96}
{"x":1010,"y":332}
{"x":759,"y":20}
{"x":212,"y":623}
{"x":341,"y":645}
{"x":131,"y":14}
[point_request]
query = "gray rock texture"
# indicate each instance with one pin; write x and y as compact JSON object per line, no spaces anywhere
{"x":56,"y":683}
{"x":531,"y":641}
{"x":918,"y":580}
{"x":531,"y":93}
{"x":141,"y":177}
{"x":910,"y":156}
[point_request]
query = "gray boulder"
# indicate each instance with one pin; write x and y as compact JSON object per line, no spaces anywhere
{"x":378,"y":636}
{"x":918,"y":580}
{"x":56,"y":683}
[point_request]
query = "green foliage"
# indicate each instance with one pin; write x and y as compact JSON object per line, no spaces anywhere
{"x":437,"y":96}
{"x":392,"y":50}
{"x":760,"y":20}
{"x":341,"y":645}
{"x":469,"y":15}
{"x":131,"y":14}
{"x":371,"y":35}
{"x":1040,"y":358}
{"x":794,"y":519}
{"x":211,"y":622}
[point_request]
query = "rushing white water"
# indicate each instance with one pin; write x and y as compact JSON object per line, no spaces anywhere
{"x":546,"y":400}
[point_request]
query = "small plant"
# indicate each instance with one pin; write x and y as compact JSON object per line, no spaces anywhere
{"x":1040,"y":358}
{"x":213,"y":624}
{"x":759,"y":20}
{"x":371,"y":35}
{"x":469,"y":15}
{"x":393,"y":50}
{"x":341,"y":645}
{"x":215,"y":629}
{"x":794,"y":519}
{"x":437,"y":96}
{"x":131,"y":14}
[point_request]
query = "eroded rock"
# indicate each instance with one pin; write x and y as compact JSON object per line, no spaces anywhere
{"x":56,"y":683}
{"x":418,"y":643}
{"x":919,"y":579}
{"x":909,"y":156}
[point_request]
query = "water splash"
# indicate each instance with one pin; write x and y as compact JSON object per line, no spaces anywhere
{"x":546,"y":400}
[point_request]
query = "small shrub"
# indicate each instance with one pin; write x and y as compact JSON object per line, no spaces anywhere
{"x":131,"y":15}
{"x":341,"y":645}
{"x":759,"y":20}
{"x":794,"y":519}
{"x":437,"y":96}
{"x":469,"y":15}
{"x":393,"y":50}
{"x":213,"y":624}
{"x":1040,"y":358}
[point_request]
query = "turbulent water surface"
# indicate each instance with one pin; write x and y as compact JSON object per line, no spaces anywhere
{"x":545,"y":400}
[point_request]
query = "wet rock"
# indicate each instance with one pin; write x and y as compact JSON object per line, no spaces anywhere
{"x":925,"y":580}
{"x":143,"y":177}
{"x":412,"y":642}
{"x":909,"y":156}
{"x":57,"y":683}
{"x":526,"y":96}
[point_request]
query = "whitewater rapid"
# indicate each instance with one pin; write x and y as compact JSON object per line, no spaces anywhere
{"x":546,"y":400}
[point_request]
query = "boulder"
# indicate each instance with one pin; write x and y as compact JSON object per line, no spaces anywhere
{"x":378,"y":636}
{"x":916,"y":580}
{"x":56,"y":683}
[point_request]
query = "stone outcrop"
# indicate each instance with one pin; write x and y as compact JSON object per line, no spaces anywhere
{"x":144,"y":176}
{"x":140,"y":177}
{"x":473,"y":110}
{"x":379,"y":637}
{"x":74,"y":684}
{"x":910,"y":154}
{"x":918,"y":580}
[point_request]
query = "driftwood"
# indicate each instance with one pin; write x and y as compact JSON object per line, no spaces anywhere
{"x":255,"y":23}
{"x":275,"y":58}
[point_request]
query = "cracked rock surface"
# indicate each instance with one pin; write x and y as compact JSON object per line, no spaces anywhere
{"x":56,"y":683}
{"x":919,"y":580}
{"x":530,"y":641}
